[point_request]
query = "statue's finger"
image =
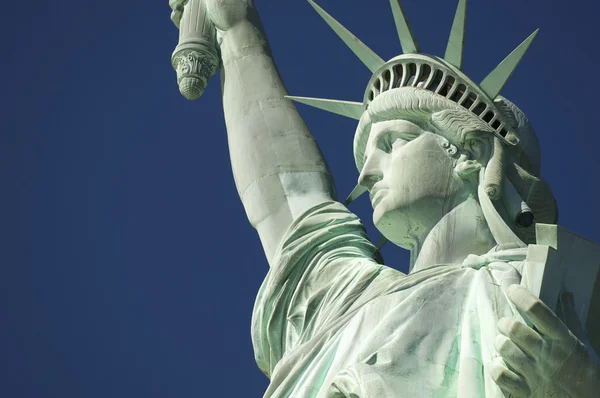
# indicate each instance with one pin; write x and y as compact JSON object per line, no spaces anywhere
{"x":509,"y":382}
{"x":517,"y":360}
{"x":542,"y":317}
{"x":524,"y":337}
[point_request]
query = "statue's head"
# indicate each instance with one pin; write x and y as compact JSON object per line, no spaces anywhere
{"x":429,"y":138}
{"x":420,"y":155}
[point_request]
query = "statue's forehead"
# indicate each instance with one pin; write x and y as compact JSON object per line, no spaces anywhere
{"x":400,"y":125}
{"x":383,"y":128}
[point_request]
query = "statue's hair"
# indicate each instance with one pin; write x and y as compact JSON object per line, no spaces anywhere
{"x":459,"y":123}
{"x":437,"y":114}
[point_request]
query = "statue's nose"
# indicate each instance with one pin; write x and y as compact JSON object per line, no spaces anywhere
{"x":371,"y":172}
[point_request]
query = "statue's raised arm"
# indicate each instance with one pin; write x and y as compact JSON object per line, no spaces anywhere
{"x":278,"y":168}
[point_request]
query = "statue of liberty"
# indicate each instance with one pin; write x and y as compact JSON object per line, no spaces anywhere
{"x":452,"y":171}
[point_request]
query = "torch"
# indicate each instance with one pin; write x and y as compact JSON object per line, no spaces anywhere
{"x":195,"y":58}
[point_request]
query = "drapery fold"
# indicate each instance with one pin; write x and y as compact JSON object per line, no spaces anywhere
{"x":329,"y":321}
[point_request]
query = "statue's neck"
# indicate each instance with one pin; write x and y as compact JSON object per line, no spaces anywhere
{"x":461,"y":232}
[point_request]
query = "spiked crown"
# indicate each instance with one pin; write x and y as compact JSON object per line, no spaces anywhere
{"x":442,"y":76}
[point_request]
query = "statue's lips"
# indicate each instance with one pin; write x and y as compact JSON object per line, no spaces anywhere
{"x":377,"y":196}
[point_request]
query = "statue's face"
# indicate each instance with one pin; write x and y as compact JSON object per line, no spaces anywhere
{"x":410,"y":177}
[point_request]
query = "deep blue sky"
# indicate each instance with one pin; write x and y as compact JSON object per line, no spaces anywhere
{"x":128,"y":266}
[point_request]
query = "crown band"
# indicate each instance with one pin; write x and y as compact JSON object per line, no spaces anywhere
{"x":437,"y":76}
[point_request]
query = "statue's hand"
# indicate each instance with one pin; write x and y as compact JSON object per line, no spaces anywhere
{"x":224,"y":14}
{"x":546,"y":357}
{"x":203,"y":24}
{"x":227,"y":13}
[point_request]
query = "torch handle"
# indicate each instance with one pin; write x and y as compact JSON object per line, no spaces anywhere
{"x":195,"y":58}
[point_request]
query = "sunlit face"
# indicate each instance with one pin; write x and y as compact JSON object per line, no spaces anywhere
{"x":410,"y":177}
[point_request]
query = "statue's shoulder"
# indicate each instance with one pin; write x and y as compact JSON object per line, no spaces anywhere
{"x":562,"y":261}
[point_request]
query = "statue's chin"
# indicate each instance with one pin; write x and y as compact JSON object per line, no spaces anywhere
{"x":394,"y":225}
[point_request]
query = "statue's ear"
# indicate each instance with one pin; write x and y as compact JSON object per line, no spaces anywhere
{"x":475,"y":154}
{"x":466,"y":167}
{"x":480,"y":148}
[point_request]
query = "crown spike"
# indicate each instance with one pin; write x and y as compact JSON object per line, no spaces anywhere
{"x":355,"y":194}
{"x":407,"y":40}
{"x":495,"y":81}
{"x":364,"y":53}
{"x":454,"y":50}
{"x":353,"y":110}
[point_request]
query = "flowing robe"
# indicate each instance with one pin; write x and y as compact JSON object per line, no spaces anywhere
{"x":330,"y":321}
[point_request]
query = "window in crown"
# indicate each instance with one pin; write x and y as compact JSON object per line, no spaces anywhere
{"x":458,"y":93}
{"x":384,"y":84}
{"x":399,"y":72}
{"x":447,"y":86}
{"x":503,"y":132}
{"x":496,"y":124}
{"x":411,"y":77}
{"x":387,"y":78}
{"x":416,"y":78}
{"x":478,"y":110}
{"x":377,"y":84}
{"x":424,"y":75}
{"x":371,"y":95}
{"x":435,"y":82}
{"x":489,"y":115}
{"x":469,"y":100}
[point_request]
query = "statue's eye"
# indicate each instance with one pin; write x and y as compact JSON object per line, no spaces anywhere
{"x":393,"y":139}
{"x":392,"y":142}
{"x":398,"y":142}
